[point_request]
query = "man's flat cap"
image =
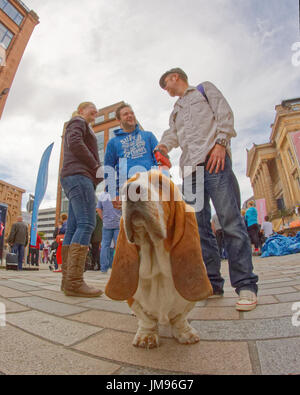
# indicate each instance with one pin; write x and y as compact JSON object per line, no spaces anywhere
{"x":176,"y":70}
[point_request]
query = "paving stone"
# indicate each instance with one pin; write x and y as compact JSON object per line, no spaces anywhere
{"x":279,"y":356}
{"x":270,"y":311}
{"x":24,"y":354}
{"x":201,"y":358}
{"x":227,"y":302}
{"x":105,"y":319}
{"x":28,"y":282}
{"x":49,"y":306}
{"x":11,"y":293}
{"x":52,"y":328}
{"x":290,"y":283}
{"x":292,"y":297}
{"x":15,"y":285}
{"x":258,"y":329}
{"x":214,"y":313}
{"x":276,"y":291}
{"x":100,"y":304}
{"x":11,"y":307}
{"x":57,"y":296}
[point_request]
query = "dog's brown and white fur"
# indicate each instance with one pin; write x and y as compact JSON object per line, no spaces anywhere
{"x":158,"y":264}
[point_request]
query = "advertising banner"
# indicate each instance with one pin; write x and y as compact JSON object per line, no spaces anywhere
{"x":261,"y":210}
{"x":3,"y":213}
{"x":40,"y":190}
{"x":296,"y":141}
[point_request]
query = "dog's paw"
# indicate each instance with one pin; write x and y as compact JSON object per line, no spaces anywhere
{"x":146,"y":340}
{"x":185,"y":334}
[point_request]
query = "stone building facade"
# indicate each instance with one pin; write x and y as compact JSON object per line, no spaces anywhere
{"x":17,"y":23}
{"x":12,"y":196}
{"x":274,"y":167}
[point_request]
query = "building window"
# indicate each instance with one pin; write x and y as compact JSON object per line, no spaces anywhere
{"x":99,"y":119}
{"x":5,"y":36}
{"x":100,"y":143}
{"x":111,"y":132}
{"x":11,"y":11}
{"x":112,"y":115}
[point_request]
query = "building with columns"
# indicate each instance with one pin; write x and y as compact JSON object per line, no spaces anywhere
{"x":17,"y":23}
{"x":274,"y":167}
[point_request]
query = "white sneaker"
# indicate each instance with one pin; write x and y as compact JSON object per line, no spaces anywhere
{"x":247,"y":301}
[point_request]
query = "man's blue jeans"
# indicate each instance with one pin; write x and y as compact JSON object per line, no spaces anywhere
{"x":19,"y":249}
{"x":106,"y":255}
{"x":222,"y":189}
{"x":82,"y":209}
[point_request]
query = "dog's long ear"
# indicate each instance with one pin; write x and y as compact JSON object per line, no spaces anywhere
{"x":124,"y":277}
{"x":188,"y":269}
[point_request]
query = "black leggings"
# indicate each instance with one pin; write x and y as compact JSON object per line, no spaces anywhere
{"x":253,"y":234}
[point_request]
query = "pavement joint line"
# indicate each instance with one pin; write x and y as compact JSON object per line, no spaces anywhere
{"x":254,"y":358}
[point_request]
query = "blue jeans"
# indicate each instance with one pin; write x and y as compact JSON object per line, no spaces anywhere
{"x":106,"y":255}
{"x":19,"y":249}
{"x":223,"y":190}
{"x":82,"y":209}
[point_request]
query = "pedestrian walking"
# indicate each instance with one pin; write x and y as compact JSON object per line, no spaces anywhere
{"x":111,"y":226}
{"x":252,"y":225}
{"x":202,"y":125}
{"x":81,"y":173}
{"x":18,"y":240}
{"x":96,"y":243}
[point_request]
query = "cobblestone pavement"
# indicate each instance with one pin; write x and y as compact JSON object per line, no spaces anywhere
{"x":45,"y":332}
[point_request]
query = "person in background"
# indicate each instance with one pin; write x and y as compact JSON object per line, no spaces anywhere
{"x":64,"y":221}
{"x":80,"y":174}
{"x":18,"y":240}
{"x":96,"y":243}
{"x":111,"y":226}
{"x":252,"y":224}
{"x":35,"y":251}
{"x":267,"y":227}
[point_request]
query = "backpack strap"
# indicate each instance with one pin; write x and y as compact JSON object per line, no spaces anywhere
{"x":200,"y":88}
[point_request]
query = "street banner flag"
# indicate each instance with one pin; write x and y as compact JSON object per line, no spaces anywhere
{"x":40,"y":190}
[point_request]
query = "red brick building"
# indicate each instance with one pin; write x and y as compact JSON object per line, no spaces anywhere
{"x":17,"y":23}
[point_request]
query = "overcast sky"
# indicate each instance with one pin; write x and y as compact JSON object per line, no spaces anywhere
{"x":106,"y":51}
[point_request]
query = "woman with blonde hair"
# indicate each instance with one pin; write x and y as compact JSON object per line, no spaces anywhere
{"x":81,"y":173}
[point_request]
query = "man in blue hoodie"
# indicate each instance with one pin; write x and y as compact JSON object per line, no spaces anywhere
{"x":130,"y":151}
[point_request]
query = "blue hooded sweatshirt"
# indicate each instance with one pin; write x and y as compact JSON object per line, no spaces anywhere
{"x":129,"y":153}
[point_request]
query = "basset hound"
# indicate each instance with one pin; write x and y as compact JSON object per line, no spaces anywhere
{"x":158,"y":266}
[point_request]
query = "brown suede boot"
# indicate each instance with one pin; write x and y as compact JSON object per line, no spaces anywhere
{"x":74,"y":284}
{"x":64,"y":267}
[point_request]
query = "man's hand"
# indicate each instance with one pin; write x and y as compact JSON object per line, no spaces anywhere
{"x":216,"y":160}
{"x":163,"y":148}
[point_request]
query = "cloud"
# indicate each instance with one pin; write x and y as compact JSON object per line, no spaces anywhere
{"x":108,"y":51}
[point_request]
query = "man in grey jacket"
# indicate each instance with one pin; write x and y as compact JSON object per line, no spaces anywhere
{"x":18,"y":239}
{"x":202,"y":126}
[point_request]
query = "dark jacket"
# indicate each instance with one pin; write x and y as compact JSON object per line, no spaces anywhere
{"x":80,"y":151}
{"x":18,"y":234}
